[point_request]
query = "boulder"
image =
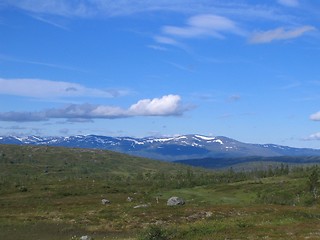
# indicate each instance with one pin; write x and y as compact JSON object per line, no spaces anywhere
{"x":86,"y":237}
{"x":174,"y":201}
{"x":105,"y":201}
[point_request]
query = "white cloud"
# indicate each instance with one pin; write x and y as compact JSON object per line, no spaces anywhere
{"x":211,"y":22}
{"x":204,"y":25}
{"x":94,"y":8}
{"x":289,"y":3}
{"x":169,"y":105}
{"x":165,"y":40}
{"x":39,"y":88}
{"x":315,"y":136}
{"x":315,"y":116}
{"x":279,"y":34}
{"x":158,"y":48}
{"x":65,"y":8}
{"x":165,"y":106}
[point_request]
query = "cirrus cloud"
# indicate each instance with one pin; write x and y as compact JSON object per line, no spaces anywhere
{"x":279,"y":34}
{"x":289,"y":3}
{"x":169,"y":105}
{"x":39,"y":88}
{"x":202,"y":25}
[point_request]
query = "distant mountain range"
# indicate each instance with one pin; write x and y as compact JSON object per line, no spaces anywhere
{"x":167,"y":148}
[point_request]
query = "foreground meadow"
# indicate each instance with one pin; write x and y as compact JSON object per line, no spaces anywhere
{"x":56,"y":193}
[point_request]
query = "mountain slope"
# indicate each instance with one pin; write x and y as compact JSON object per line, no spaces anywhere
{"x":167,"y":148}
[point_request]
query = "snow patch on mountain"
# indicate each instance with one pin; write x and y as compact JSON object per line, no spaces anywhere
{"x":205,"y":138}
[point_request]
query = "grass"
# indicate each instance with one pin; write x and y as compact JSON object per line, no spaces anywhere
{"x":55,"y":193}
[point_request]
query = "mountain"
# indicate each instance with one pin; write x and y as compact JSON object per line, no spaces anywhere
{"x":167,"y":148}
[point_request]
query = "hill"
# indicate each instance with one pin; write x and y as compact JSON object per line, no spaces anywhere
{"x":44,"y":161}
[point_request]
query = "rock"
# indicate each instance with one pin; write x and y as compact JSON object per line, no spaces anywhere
{"x":105,"y":201}
{"x":86,"y":237}
{"x":141,"y":206}
{"x":174,"y":201}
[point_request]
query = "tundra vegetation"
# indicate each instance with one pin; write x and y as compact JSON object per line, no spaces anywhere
{"x":66,"y":193}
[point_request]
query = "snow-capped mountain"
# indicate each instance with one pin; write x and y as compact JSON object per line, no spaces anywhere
{"x":167,"y":148}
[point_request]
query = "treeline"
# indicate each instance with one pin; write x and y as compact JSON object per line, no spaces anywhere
{"x":192,"y":178}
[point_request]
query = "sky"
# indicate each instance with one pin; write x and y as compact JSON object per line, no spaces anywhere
{"x":244,"y":69}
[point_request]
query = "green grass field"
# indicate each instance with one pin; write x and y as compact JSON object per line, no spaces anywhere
{"x":55,"y":193}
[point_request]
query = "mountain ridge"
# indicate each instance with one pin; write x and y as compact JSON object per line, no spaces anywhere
{"x":190,"y":146}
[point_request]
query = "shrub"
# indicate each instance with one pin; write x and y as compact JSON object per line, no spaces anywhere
{"x":23,"y":189}
{"x":155,"y":232}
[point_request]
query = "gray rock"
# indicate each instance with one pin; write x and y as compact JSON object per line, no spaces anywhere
{"x":105,"y":201}
{"x":86,"y":237}
{"x":174,"y":201}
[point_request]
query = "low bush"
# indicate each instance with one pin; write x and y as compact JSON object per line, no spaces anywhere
{"x":155,"y":232}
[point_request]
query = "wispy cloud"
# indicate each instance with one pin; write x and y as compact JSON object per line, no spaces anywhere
{"x":279,"y":34}
{"x":315,"y":116}
{"x":291,"y":86}
{"x":169,"y":105}
{"x":50,"y":22}
{"x":314,"y":136}
{"x":188,"y":68}
{"x":198,"y":26}
{"x":111,"y":8}
{"x":157,"y":47}
{"x":46,"y":64}
{"x":64,"y":8}
{"x":234,"y":98}
{"x":39,"y":88}
{"x":204,"y":25}
{"x":289,"y":3}
{"x":166,"y":40}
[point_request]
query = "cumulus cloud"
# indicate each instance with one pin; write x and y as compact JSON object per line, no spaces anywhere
{"x":279,"y":34}
{"x":289,"y":3}
{"x":169,"y":105}
{"x":39,"y":88}
{"x":165,"y":106}
{"x":315,"y":116}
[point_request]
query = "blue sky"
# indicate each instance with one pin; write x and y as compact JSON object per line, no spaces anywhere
{"x":244,"y":69}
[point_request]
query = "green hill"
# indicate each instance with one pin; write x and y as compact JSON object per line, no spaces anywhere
{"x":60,"y":162}
{"x":56,"y":193}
